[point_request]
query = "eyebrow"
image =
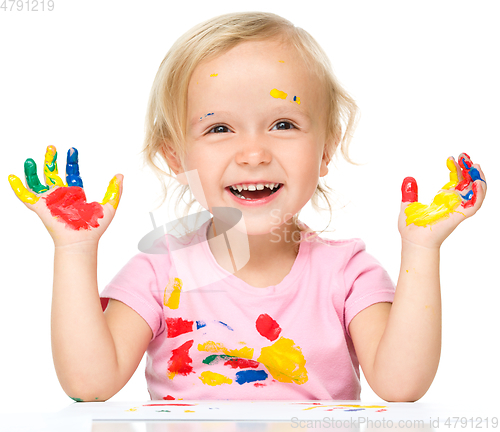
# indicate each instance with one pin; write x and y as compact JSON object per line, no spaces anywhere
{"x":278,"y":112}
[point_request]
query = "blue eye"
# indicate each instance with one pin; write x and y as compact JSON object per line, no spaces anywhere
{"x":219,"y":129}
{"x":283,"y":125}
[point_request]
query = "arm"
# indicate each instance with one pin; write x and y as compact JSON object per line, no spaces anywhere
{"x":399,"y":346}
{"x":94,"y":353}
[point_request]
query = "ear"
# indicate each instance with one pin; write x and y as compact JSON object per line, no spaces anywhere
{"x":174,"y":163}
{"x":328,"y":152}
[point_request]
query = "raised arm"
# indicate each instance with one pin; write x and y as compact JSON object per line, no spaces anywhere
{"x":92,"y":359}
{"x":399,"y":346}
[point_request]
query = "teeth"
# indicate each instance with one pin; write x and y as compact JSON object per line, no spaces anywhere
{"x":252,"y":187}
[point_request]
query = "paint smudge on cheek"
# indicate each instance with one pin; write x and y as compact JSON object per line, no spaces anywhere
{"x":214,"y":74}
{"x":172,"y":294}
{"x":248,"y":376}
{"x":284,"y":361}
{"x":178,"y":326}
{"x":180,"y":362}
{"x":70,"y":205}
{"x":268,"y":327}
{"x":214,"y":379}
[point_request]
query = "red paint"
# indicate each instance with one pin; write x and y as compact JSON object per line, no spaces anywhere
{"x":472,"y":201}
{"x":267,"y":327}
{"x":409,"y":190}
{"x":259,"y":385}
{"x":465,"y":182}
{"x":241,"y":363}
{"x":180,"y":362}
{"x":168,"y":397}
{"x":178,"y":326}
{"x":70,"y":205}
{"x":176,"y":404}
{"x":465,"y":164}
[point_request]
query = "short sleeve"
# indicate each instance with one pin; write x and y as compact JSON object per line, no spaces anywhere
{"x":366,"y":283}
{"x":139,"y":284}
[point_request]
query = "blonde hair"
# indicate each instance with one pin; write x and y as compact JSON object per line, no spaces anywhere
{"x":166,"y":118}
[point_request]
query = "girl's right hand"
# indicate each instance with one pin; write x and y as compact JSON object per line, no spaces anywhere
{"x":63,"y":208}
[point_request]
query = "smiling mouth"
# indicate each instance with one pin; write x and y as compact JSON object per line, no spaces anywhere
{"x":256,"y":194}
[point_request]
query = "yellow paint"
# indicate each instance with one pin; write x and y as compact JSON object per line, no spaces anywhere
{"x":22,"y":193}
{"x":213,"y":75}
{"x":189,"y":411}
{"x":284,"y":361}
{"x":216,"y":347}
{"x":112,"y":195}
{"x":131,"y":409}
{"x":275,"y":93}
{"x":171,"y":375}
{"x":213,"y":378}
{"x":453,"y":175}
{"x":344,"y":406}
{"x":51,"y":177}
{"x":442,"y":206}
{"x":172,"y":294}
{"x":281,"y":61}
{"x":298,"y":100}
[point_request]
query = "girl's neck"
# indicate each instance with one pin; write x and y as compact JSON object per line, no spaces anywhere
{"x":266,"y":253}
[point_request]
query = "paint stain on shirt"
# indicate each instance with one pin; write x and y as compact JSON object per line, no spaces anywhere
{"x":180,"y":362}
{"x":284,"y":361}
{"x":178,"y":326}
{"x":215,"y":347}
{"x":172,"y":294}
{"x":268,"y":327}
{"x":214,"y":379}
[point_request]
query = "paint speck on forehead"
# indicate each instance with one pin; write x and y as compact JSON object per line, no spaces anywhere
{"x":281,"y":61}
{"x":213,"y":75}
{"x":209,"y":114}
{"x":278,"y":94}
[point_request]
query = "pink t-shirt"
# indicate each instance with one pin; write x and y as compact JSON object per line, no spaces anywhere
{"x":229,"y":340}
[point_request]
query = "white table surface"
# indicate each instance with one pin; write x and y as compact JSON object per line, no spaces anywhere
{"x":249,"y":416}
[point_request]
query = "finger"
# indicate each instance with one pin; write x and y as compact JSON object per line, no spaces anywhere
{"x":22,"y":193}
{"x":409,"y":190}
{"x":50,"y":168}
{"x":475,"y":197}
{"x":471,"y":168}
{"x":72,"y":168}
{"x":32,"y":179}
{"x":465,"y":164}
{"x":455,"y":174}
{"x":113,"y":193}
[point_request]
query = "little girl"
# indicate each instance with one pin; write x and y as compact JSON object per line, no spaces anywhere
{"x":247,"y":113}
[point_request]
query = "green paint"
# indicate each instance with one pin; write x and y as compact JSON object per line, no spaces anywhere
{"x":213,"y":359}
{"x":162,"y":411}
{"x":52,"y":166}
{"x":32,"y":177}
{"x":76,"y":399}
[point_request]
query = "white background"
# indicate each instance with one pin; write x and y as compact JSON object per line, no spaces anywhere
{"x":425,"y":76}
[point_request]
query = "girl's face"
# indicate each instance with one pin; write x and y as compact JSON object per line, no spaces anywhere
{"x":256,"y":115}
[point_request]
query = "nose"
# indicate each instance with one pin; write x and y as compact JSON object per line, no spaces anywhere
{"x":253,"y":151}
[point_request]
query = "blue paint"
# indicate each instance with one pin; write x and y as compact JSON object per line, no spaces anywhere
{"x":474,"y":175}
{"x":247,"y":376}
{"x":72,"y":169}
{"x":200,"y":324}
{"x":225,"y":325}
{"x":355,"y":409}
{"x":295,"y":98}
{"x":468,"y":196}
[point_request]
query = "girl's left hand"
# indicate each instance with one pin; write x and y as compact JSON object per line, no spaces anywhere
{"x":460,"y":198}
